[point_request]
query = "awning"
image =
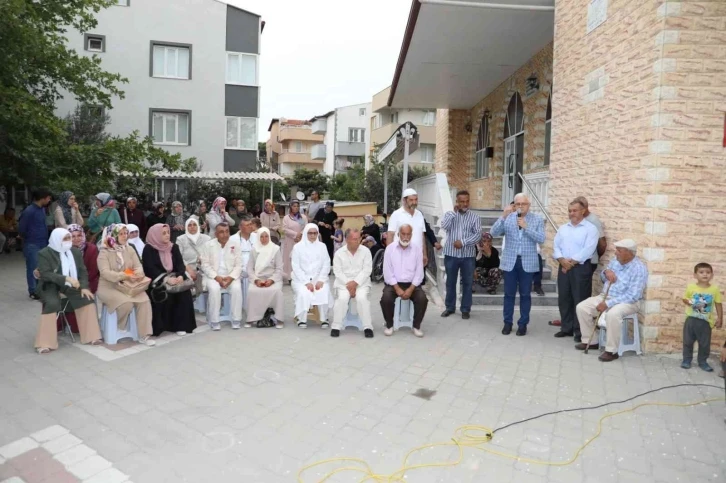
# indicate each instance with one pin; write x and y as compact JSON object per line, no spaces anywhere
{"x":217,"y":175}
{"x":454,"y":53}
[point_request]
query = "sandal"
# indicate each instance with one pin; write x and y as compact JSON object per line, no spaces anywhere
{"x":97,"y":342}
{"x":42,"y":350}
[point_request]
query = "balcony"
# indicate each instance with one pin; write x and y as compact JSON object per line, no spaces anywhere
{"x":289,"y":169}
{"x":320,"y":126}
{"x":319,"y":151}
{"x":380,"y":100}
{"x":427,"y":134}
{"x":298,"y":133}
{"x":343,"y":148}
{"x":288,"y":156}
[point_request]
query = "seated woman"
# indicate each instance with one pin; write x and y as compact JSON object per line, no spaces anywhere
{"x":62,"y":273}
{"x":487,"y":272}
{"x":264,"y":270}
{"x":135,"y":238}
{"x":190,"y":246}
{"x":117,"y":262}
{"x":90,"y":260}
{"x":176,"y":313}
{"x":371,"y":228}
{"x":310,"y":276}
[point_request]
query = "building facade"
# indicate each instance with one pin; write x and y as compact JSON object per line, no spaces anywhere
{"x":620,"y":101}
{"x":346,"y":138}
{"x":290,"y":146}
{"x":193,"y":87}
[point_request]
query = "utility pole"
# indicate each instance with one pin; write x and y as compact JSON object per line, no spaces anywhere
{"x":407,"y":140}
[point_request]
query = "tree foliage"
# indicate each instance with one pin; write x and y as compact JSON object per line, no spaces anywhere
{"x":38,"y":69}
{"x":308,"y":180}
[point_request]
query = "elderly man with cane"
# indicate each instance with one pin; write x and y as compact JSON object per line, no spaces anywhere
{"x":625,"y":278}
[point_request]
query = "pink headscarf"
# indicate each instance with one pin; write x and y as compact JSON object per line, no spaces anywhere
{"x":217,"y":202}
{"x":153,"y":238}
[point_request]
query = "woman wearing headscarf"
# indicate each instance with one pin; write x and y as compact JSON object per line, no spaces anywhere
{"x":104,"y":214}
{"x":239,"y":213}
{"x":161,"y":256}
{"x":131,"y":214}
{"x":156,"y":216}
{"x":201,"y":213}
{"x":292,"y":226}
{"x":264,"y":270}
{"x":487,"y":271}
{"x":135,"y":239}
{"x":271,"y":220}
{"x":371,"y":228}
{"x":62,"y":272}
{"x":218,"y":214}
{"x":176,"y":220}
{"x":66,"y":211}
{"x":117,"y":262}
{"x":90,"y":260}
{"x":310,"y":276}
{"x":191,"y":244}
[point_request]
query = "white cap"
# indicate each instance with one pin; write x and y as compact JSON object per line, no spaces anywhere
{"x":409,"y":192}
{"x":628,"y":244}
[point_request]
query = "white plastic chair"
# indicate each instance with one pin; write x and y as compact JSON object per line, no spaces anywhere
{"x":403,"y":314}
{"x":352,"y":319}
{"x":627,"y":343}
{"x":110,"y":330}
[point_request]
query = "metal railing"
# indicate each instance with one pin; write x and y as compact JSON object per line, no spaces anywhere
{"x":536,"y":199}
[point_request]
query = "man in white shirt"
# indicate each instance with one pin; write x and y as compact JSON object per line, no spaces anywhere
{"x":407,"y":214}
{"x":574,"y":245}
{"x":352,"y":266}
{"x":246,"y":238}
{"x":222,"y":268}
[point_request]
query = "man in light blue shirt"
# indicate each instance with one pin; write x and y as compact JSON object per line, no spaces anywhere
{"x":575,"y":243}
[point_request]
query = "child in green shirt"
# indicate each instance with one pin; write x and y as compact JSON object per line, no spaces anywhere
{"x":700,"y":299}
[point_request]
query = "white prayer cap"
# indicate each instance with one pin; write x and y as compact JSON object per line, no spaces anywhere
{"x":628,"y":244}
{"x":409,"y":192}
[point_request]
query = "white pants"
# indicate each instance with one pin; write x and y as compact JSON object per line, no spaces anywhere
{"x":342,"y":298}
{"x":214,"y":300}
{"x":587,"y":310}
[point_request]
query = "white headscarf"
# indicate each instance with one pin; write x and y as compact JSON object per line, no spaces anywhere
{"x":265,"y":253}
{"x":311,"y":255}
{"x":68,"y":263}
{"x":137,"y":243}
{"x":195,"y":236}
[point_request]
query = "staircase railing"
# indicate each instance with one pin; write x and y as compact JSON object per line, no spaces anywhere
{"x":536,"y":199}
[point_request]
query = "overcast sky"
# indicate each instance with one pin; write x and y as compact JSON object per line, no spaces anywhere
{"x":321,"y":54}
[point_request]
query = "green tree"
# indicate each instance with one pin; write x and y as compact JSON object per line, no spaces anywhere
{"x":348,"y":186}
{"x":308,"y":180}
{"x":38,"y":69}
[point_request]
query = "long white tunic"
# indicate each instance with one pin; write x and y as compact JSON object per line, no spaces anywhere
{"x":310,"y":264}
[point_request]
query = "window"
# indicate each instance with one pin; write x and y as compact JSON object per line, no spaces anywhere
{"x":298,"y":147}
{"x":514,"y":123}
{"x":362,"y":111}
{"x":171,"y":127}
{"x":241,"y":133}
{"x":394,"y":117}
{"x":241,"y":69}
{"x":356,"y":135}
{"x":548,"y":132}
{"x":429,"y":118}
{"x":93,"y":111}
{"x":94,"y":42}
{"x":171,"y":61}
{"x":428,"y":153}
{"x":122,"y":3}
{"x":481,"y":168}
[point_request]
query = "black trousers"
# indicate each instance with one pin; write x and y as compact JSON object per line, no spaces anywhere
{"x":696,"y":330}
{"x":573,"y":287}
{"x":388,"y":304}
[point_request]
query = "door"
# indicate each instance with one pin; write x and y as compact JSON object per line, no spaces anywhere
{"x":513,"y":165}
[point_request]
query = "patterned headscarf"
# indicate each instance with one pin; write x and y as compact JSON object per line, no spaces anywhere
{"x":78,"y":228}
{"x":105,"y":200}
{"x":216,"y":206}
{"x":176,"y":219}
{"x":63,"y":203}
{"x":369,"y":220}
{"x":110,"y":241}
{"x":297,"y":217}
{"x":272,"y":206}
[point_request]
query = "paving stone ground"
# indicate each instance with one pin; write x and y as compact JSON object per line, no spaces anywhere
{"x":257,"y":405}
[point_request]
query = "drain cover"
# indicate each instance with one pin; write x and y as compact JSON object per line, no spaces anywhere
{"x":425,"y":393}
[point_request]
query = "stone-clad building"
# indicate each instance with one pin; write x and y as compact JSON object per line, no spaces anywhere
{"x":622,"y":101}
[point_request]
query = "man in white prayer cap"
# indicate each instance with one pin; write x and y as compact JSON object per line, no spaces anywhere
{"x":407,"y":214}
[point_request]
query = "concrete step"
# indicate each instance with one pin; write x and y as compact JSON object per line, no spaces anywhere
{"x":549,"y":300}
{"x":549,"y":286}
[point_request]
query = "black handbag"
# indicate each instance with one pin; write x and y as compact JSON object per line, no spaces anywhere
{"x":160,"y":290}
{"x":267,"y":320}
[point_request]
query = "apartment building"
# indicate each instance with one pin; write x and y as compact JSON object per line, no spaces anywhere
{"x":346,"y":140}
{"x":385,"y":119}
{"x":193,"y":85}
{"x":290,"y":146}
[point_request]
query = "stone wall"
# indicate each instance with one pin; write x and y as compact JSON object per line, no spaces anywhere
{"x":638,"y":120}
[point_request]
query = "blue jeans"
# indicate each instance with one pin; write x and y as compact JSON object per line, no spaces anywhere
{"x":453,"y":265}
{"x":31,"y":263}
{"x":517,"y":277}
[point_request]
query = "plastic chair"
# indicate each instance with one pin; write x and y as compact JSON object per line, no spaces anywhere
{"x":403,"y":314}
{"x":61,"y":314}
{"x":109,"y":327}
{"x":628,"y":342}
{"x":352,"y":319}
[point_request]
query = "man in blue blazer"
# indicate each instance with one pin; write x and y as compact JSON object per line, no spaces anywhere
{"x":519,"y":261}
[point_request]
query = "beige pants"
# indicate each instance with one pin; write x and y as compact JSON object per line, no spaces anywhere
{"x":87,"y":318}
{"x":342,"y":298}
{"x":587,"y":311}
{"x":143,"y":317}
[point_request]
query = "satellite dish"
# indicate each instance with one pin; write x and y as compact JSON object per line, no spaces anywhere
{"x":283,"y":197}
{"x":300,"y":196}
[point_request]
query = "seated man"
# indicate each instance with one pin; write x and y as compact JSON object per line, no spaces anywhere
{"x":310,"y":276}
{"x":222,"y":268}
{"x":352,"y":266}
{"x":403,"y":273}
{"x":627,"y":277}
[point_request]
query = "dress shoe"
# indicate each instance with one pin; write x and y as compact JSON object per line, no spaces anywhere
{"x":368,"y":333}
{"x":334,"y":333}
{"x":507,"y":329}
{"x":522,"y":331}
{"x":446,"y":313}
{"x":465,"y":315}
{"x":561,"y":334}
{"x":539,"y":291}
{"x":581,"y":347}
{"x":608,"y":356}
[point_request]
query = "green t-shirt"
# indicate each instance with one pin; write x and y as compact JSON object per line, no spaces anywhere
{"x":702,"y":302}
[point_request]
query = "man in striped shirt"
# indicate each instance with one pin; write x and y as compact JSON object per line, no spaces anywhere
{"x":463,"y":232}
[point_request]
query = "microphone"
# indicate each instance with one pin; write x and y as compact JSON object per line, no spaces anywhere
{"x":519,"y":215}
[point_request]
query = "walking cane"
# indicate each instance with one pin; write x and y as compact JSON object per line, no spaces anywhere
{"x":599,"y":314}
